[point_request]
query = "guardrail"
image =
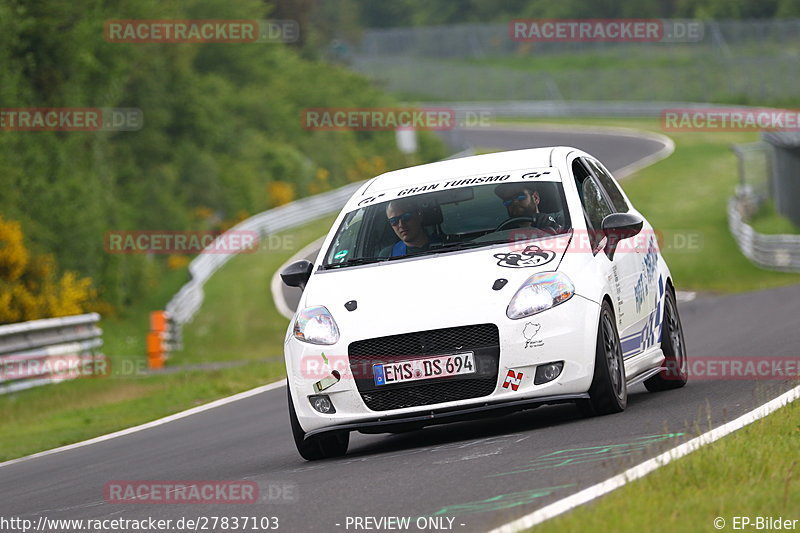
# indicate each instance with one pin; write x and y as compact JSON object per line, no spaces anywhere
{"x":568,"y":108}
{"x":183,"y":306}
{"x":773,"y":252}
{"x":436,"y":62}
{"x":51,"y":350}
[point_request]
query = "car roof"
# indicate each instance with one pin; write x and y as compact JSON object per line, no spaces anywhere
{"x":493,"y":163}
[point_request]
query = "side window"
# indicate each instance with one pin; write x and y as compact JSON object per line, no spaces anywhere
{"x":343,"y":245}
{"x":594,"y":203}
{"x":580,"y":173}
{"x":610,"y":186}
{"x":595,"y":206}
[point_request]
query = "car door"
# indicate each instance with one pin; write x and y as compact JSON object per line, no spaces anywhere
{"x":634,"y":260}
{"x":623,"y":270}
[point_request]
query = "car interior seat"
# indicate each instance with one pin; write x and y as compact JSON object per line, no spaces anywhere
{"x":432,"y":218}
{"x":549,"y":201}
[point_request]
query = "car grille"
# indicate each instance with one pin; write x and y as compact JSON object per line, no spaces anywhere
{"x":482,"y":339}
{"x":428,"y":394}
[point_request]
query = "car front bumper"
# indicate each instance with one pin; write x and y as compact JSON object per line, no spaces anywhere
{"x":565,"y":333}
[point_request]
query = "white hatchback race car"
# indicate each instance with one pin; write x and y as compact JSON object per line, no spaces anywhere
{"x":474,"y":286}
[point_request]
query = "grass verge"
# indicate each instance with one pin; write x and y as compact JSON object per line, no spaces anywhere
{"x":752,"y":472}
{"x":685,"y":196}
{"x":238,"y":321}
{"x":769,"y":221}
{"x":687,"y":192}
{"x":46,"y":417}
{"x":677,"y":72}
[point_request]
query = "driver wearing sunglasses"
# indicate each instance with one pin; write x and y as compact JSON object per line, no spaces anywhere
{"x":521,"y":200}
{"x":405,"y":217}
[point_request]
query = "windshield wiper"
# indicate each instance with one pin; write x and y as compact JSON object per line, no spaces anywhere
{"x":453,"y":246}
{"x":355,"y":261}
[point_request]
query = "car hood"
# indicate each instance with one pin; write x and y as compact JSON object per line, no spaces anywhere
{"x":432,"y":291}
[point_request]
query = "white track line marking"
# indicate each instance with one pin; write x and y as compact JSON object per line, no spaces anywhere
{"x":685,"y":296}
{"x":276,"y":286}
{"x":636,"y":166}
{"x":154,"y":423}
{"x":641,"y":470}
{"x":280,"y":303}
{"x":668,"y":146}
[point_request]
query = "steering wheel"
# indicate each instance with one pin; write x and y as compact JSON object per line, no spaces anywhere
{"x":510,"y":221}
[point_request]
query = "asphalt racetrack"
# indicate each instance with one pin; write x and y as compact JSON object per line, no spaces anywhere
{"x":472,"y":476}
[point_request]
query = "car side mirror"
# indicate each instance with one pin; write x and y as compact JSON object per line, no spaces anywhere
{"x":619,"y":226}
{"x":297,"y":274}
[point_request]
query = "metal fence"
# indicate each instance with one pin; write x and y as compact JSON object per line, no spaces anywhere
{"x":185,"y":304}
{"x":752,"y":60}
{"x":466,"y":111}
{"x":475,"y":41}
{"x":48,"y":351}
{"x":774,"y":252}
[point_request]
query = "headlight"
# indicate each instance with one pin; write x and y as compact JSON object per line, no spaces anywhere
{"x":316,"y":326}
{"x":539,"y":293}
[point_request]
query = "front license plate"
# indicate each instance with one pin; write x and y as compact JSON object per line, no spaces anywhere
{"x":440,"y":366}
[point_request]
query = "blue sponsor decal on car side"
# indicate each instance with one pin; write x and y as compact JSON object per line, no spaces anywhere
{"x":638,"y":342}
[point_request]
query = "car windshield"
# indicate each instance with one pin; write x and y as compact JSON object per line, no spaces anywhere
{"x":448,"y":220}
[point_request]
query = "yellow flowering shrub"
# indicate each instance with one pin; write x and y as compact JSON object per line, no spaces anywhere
{"x":280,"y":192}
{"x":13,"y":254}
{"x":321,"y":182}
{"x":202,"y":213}
{"x":176,"y":262}
{"x":29,"y":285}
{"x":366,"y":168}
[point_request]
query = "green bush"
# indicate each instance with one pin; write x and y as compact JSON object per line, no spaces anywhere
{"x":221,"y":122}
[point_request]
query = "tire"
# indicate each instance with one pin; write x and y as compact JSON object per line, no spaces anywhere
{"x":609,"y":392}
{"x":675,"y":372}
{"x":318,"y":446}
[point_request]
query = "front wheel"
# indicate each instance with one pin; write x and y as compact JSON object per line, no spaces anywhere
{"x":675,"y":373}
{"x":608,"y":392}
{"x":317,"y":446}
